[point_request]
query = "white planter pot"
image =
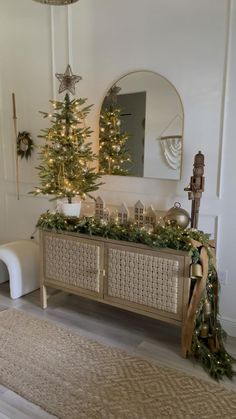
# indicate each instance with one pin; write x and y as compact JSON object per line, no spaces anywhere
{"x":71,"y":210}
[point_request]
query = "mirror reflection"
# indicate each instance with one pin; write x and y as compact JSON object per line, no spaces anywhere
{"x":141,"y":128}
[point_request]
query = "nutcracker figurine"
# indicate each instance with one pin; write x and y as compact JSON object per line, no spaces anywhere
{"x":196,"y":187}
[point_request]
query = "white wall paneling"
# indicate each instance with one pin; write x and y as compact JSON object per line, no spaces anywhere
{"x":227,"y":221}
{"x":191,"y":43}
{"x":24,"y":212}
{"x":60,"y":41}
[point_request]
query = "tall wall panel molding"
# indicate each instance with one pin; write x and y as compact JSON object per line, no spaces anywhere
{"x":25,"y":213}
{"x":228,"y":25}
{"x":60,"y":43}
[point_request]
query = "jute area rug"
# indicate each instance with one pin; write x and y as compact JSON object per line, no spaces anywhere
{"x":74,"y":377}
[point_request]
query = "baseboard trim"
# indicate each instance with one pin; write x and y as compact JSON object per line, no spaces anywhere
{"x":229,"y":325}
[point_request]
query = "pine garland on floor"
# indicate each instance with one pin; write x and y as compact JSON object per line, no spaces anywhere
{"x":208,"y":336}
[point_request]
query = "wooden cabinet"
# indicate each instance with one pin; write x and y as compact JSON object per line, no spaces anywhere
{"x":72,"y":263}
{"x":131,"y":276}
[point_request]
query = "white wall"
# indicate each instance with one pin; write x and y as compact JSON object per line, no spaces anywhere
{"x":184,"y":40}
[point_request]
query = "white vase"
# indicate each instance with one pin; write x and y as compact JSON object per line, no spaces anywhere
{"x":71,"y":210}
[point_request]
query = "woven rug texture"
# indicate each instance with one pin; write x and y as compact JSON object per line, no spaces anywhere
{"x":73,"y":377}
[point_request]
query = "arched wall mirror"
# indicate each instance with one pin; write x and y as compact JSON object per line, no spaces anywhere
{"x":141,"y":128}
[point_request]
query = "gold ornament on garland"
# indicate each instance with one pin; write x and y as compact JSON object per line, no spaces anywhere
{"x":177,"y":216}
{"x":25,"y":144}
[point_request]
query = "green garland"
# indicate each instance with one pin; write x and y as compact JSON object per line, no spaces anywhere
{"x":161,"y":237}
{"x":217,"y":363}
{"x":25,"y":144}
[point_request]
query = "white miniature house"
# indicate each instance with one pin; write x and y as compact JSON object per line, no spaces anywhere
{"x":106,"y":215}
{"x":139,"y":211}
{"x":123,"y":214}
{"x":100,"y":208}
{"x":150,"y":218}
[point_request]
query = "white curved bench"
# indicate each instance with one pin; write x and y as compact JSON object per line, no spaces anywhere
{"x":22,"y":262}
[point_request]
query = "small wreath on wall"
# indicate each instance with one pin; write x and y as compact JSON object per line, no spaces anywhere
{"x":25,"y":144}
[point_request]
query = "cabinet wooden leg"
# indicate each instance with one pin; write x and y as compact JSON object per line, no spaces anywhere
{"x":43,"y":297}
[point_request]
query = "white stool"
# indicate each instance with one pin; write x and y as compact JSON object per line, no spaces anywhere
{"x":4,"y":275}
{"x":22,"y":261}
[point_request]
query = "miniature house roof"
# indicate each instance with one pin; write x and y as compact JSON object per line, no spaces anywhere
{"x":139,"y":204}
{"x":99,"y":200}
{"x":151,"y":212}
{"x":123,"y":209}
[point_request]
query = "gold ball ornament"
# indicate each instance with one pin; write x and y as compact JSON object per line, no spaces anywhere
{"x":177,"y":216}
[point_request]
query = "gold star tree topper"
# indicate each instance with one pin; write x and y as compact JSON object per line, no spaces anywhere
{"x":68,"y":80}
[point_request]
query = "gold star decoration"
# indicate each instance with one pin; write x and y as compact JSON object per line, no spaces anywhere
{"x":68,"y":80}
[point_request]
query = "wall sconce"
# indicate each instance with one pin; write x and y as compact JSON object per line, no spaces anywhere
{"x":56,"y":2}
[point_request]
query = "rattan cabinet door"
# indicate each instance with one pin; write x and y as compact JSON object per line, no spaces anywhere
{"x":73,"y":262}
{"x":145,"y":280}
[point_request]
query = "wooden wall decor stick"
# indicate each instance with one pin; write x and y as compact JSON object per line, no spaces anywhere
{"x":15,"y":131}
{"x":196,"y":187}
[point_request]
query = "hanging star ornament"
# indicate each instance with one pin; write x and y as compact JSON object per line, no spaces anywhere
{"x":68,"y":80}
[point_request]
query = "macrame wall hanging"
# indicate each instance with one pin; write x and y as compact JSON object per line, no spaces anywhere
{"x":171,"y":142}
{"x":172,"y":150}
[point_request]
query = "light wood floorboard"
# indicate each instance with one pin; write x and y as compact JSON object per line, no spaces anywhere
{"x":136,"y":334}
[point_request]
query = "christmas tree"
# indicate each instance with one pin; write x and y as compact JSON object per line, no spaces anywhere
{"x":113,"y":153}
{"x":65,"y":156}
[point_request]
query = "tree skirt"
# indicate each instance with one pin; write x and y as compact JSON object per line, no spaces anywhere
{"x":73,"y":377}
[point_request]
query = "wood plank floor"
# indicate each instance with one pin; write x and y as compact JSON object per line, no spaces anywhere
{"x":137,"y":335}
